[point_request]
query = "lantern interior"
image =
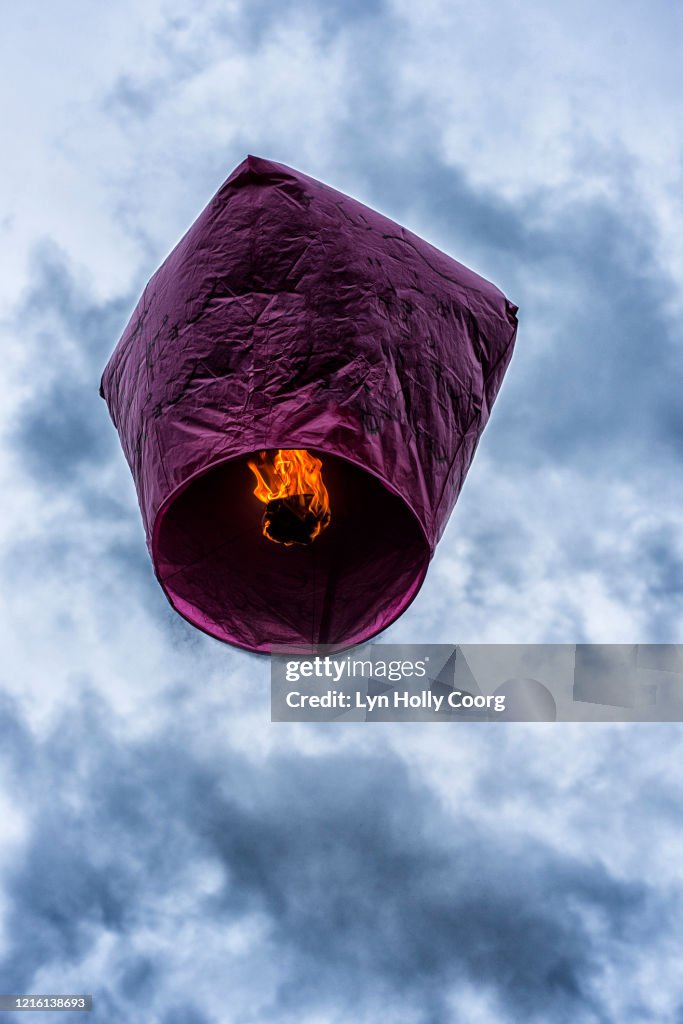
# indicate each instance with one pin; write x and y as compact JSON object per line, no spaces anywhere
{"x":222,"y":574}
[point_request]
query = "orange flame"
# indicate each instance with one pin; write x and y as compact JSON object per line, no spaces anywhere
{"x":290,"y":483}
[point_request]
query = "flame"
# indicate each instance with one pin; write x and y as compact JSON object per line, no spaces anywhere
{"x":290,"y":484}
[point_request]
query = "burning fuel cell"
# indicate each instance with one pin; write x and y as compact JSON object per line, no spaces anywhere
{"x":290,"y":484}
{"x":299,"y":394}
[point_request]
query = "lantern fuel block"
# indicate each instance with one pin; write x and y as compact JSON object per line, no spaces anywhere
{"x":299,"y":394}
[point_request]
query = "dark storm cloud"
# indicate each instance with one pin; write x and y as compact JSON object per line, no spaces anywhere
{"x":63,"y":428}
{"x":411,"y":900}
{"x":369,"y":888}
{"x":16,"y":746}
{"x":62,"y":438}
{"x":664,"y":564}
{"x":605,"y":389}
{"x":256,"y":21}
{"x":185,"y":1013}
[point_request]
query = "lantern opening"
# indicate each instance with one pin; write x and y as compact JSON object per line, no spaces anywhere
{"x":289,"y":482}
{"x":224,"y":576}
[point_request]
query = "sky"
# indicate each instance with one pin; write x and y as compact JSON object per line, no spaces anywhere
{"x":163,"y":846}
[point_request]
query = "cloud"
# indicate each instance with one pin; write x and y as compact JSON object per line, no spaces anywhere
{"x":309,"y":887}
{"x":162,"y":843}
{"x":59,"y":431}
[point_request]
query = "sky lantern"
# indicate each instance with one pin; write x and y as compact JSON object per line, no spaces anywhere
{"x":299,"y":394}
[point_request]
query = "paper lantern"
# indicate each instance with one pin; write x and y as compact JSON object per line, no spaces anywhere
{"x":299,"y":345}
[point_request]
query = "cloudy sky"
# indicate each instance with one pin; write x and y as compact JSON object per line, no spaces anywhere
{"x":162,"y":845}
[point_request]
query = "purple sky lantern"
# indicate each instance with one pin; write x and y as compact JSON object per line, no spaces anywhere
{"x":299,"y":394}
